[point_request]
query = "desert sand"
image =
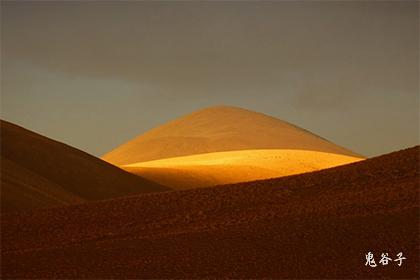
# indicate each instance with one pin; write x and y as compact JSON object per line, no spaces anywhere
{"x":313,"y":225}
{"x":219,"y":168}
{"x":217,"y":129}
{"x":38,"y":172}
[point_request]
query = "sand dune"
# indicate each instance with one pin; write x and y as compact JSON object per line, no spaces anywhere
{"x":219,"y":168}
{"x":39,"y":172}
{"x":218,"y":129}
{"x":23,"y":189}
{"x":313,"y":225}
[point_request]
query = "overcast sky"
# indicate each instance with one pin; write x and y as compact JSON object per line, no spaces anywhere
{"x":95,"y":74}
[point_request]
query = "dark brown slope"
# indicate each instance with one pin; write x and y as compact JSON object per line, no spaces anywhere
{"x":315,"y":225}
{"x":40,"y":172}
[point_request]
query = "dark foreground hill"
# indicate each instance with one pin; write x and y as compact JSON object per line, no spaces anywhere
{"x":39,"y":172}
{"x":314,"y":225}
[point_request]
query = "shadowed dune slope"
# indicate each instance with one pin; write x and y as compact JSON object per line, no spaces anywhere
{"x":219,"y":168}
{"x":313,"y":225}
{"x":39,"y":172}
{"x":218,"y":129}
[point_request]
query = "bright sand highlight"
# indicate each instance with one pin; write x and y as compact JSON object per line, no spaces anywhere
{"x":218,"y":168}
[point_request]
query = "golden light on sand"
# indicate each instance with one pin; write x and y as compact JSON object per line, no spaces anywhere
{"x":217,"y":168}
{"x":219,"y":129}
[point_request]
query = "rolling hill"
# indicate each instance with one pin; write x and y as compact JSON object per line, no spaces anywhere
{"x":39,"y":172}
{"x":219,"y":168}
{"x":218,"y":129}
{"x":313,"y":225}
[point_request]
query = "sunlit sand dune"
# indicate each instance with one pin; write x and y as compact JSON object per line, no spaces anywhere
{"x":234,"y":166}
{"x":218,"y":129}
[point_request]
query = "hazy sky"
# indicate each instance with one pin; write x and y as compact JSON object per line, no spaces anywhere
{"x":96,"y":74}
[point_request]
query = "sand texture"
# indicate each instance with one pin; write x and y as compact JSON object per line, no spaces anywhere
{"x":313,"y":225}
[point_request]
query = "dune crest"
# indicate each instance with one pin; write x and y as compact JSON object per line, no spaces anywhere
{"x":218,"y":129}
{"x":39,"y":172}
{"x":219,"y":168}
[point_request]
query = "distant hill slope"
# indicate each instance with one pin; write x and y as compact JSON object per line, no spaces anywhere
{"x":218,"y":129}
{"x":219,"y":168}
{"x":315,"y":225}
{"x":39,"y":172}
